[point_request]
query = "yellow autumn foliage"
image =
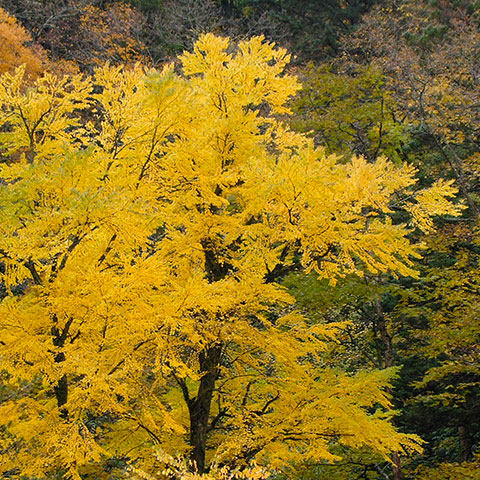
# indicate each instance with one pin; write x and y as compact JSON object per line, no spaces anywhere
{"x":144,"y":219}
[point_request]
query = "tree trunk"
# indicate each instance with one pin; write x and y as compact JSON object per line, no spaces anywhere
{"x":397,"y":466}
{"x":227,"y":7}
{"x":199,"y":407}
{"x":466,"y":441}
{"x":209,"y":362}
{"x":61,"y":388}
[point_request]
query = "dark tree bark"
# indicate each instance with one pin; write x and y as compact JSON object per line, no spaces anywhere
{"x":466,"y":441}
{"x":209,"y":362}
{"x":61,"y":388}
{"x":228,"y":7}
{"x":199,"y":407}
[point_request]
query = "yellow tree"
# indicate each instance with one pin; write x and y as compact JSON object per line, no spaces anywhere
{"x":145,"y":224}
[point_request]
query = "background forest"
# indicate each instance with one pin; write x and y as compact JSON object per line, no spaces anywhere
{"x":374,"y":374}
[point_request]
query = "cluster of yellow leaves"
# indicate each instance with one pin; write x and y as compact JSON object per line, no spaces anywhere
{"x":433,"y":201}
{"x":39,"y":122}
{"x":173,"y":466}
{"x":16,"y":48}
{"x":141,"y":222}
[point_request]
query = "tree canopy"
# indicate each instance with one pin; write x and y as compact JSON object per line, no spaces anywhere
{"x":147,"y":218}
{"x":232,"y":262}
